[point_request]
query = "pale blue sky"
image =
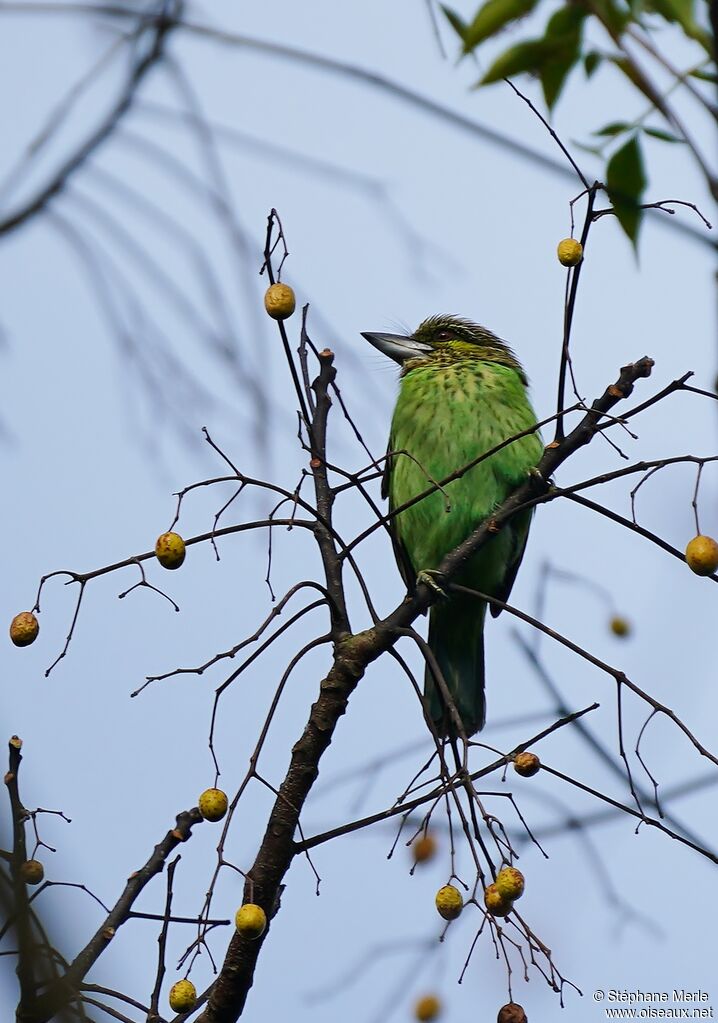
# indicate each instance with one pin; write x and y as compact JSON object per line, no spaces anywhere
{"x":91,"y":466}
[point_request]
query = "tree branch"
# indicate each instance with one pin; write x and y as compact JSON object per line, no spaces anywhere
{"x":352,"y":656}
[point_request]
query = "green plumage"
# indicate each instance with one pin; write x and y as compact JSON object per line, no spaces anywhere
{"x":462,"y":392}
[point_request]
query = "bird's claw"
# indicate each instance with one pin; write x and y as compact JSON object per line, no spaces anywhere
{"x":429,"y":578}
{"x":538,"y":482}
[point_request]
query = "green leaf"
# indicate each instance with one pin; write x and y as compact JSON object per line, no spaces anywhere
{"x":612,"y":16}
{"x":563,"y":43}
{"x":554,"y":73}
{"x":625,"y":184}
{"x":551,"y":58}
{"x":664,"y":136}
{"x":492,"y":17}
{"x":614,"y":128}
{"x":567,"y":21}
{"x":669,"y":9}
{"x":455,"y":20}
{"x":591,"y":62}
{"x":527,"y":56}
{"x":705,"y":76}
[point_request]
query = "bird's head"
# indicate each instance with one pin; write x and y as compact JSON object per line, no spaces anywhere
{"x":444,"y":340}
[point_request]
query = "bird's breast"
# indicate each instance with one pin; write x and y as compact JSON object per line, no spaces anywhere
{"x":445,"y":418}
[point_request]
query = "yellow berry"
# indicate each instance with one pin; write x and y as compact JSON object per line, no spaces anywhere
{"x":213,"y":804}
{"x":620,"y":626}
{"x":183,"y":996}
{"x":510,"y":883}
{"x":449,"y":902}
{"x":427,"y":1008}
{"x":495,"y":902}
{"x":251,"y":920}
{"x":32,"y":871}
{"x":424,"y":848}
{"x":527,"y":764}
{"x":170,"y":550}
{"x":570,"y":252}
{"x":512,"y":1012}
{"x":702,"y":555}
{"x":279,"y":301}
{"x":24,"y":628}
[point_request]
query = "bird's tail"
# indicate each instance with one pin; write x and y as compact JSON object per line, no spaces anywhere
{"x":456,"y":638}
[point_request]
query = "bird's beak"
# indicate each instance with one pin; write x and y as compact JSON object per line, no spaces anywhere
{"x":397,"y":346}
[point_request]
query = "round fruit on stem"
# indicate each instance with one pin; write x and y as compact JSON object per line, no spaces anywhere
{"x":510,"y":883}
{"x":279,"y":301}
{"x":213,"y":804}
{"x":527,"y":764}
{"x":496,"y":903}
{"x":702,"y":555}
{"x":183,"y":996}
{"x":512,"y":1012}
{"x":427,"y":1008}
{"x":251,"y":921}
{"x":449,"y":902}
{"x":424,"y":848}
{"x":24,"y":628}
{"x":620,"y":626}
{"x":32,"y":871}
{"x":170,"y":550}
{"x":570,"y":252}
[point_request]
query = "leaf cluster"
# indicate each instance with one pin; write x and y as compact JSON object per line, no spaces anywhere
{"x":564,"y":47}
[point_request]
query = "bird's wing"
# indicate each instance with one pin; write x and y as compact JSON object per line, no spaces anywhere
{"x":521,"y":534}
{"x":400,"y":553}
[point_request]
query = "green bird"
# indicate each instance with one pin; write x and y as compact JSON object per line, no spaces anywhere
{"x":462,"y":392}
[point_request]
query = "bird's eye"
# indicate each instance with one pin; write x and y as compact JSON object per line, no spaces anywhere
{"x":443,"y":335}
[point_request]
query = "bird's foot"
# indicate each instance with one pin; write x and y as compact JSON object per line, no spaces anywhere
{"x":538,"y":482}
{"x":429,"y":577}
